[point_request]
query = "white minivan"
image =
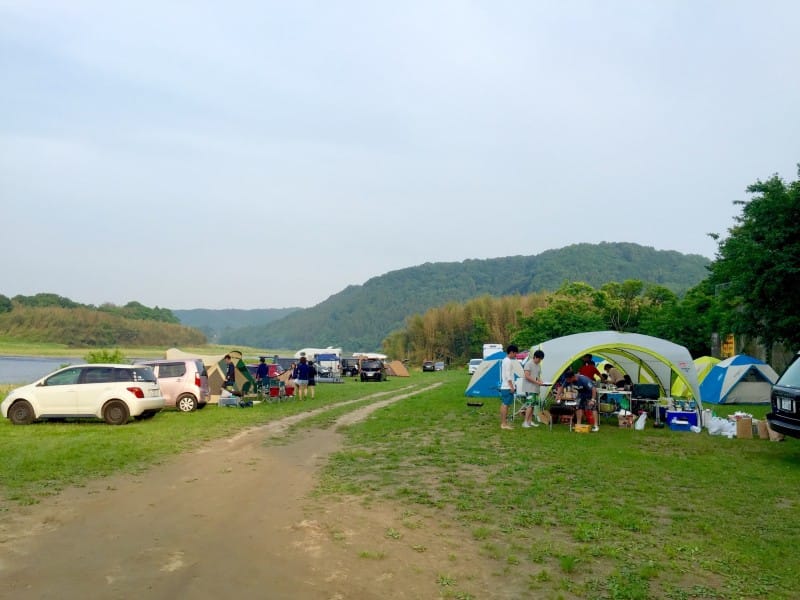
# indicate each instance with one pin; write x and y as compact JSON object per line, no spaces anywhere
{"x":473,"y":365}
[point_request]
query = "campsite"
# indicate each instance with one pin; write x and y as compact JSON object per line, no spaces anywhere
{"x":422,"y":498}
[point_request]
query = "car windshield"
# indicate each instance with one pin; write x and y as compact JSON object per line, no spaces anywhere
{"x":371,"y":364}
{"x":791,"y":377}
{"x":476,"y":361}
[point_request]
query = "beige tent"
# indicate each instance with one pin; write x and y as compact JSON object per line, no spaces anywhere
{"x":216,"y":377}
{"x":397,"y":368}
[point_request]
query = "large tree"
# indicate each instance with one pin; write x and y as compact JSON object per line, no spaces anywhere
{"x":757,"y":269}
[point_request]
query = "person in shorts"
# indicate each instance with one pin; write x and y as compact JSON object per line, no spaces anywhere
{"x":587,"y":395}
{"x":507,"y":386}
{"x":301,"y":379}
{"x":531,"y":383}
{"x":312,"y":378}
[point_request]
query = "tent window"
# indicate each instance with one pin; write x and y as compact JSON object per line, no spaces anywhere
{"x":754,"y":376}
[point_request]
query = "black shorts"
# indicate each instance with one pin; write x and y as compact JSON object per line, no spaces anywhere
{"x":584,"y":403}
{"x":311,"y":383}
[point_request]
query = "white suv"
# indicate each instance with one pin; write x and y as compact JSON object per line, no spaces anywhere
{"x":183,"y":381}
{"x":473,"y":365}
{"x":110,"y":392}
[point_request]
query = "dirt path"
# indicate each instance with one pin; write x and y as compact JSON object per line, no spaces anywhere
{"x":234,"y":519}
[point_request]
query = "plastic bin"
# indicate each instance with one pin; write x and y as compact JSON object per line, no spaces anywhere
{"x":680,"y":425}
{"x":682,"y":415}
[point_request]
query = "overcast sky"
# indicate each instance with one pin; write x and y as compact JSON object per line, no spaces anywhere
{"x":194,"y":154}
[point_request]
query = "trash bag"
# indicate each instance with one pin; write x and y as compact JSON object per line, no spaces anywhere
{"x":639,"y":425}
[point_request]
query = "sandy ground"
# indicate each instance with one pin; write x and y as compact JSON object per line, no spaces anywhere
{"x":236,"y":519}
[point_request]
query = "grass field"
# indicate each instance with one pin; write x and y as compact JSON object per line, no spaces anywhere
{"x":616,"y":514}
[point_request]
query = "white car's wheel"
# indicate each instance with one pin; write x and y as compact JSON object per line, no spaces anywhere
{"x":115,"y":412}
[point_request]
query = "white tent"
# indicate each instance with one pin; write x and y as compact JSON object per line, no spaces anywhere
{"x":643,"y":357}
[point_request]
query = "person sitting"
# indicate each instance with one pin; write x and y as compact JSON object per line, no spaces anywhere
{"x":615,"y":377}
{"x":587,"y":395}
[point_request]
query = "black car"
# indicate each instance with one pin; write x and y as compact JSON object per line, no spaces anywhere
{"x":373,"y":370}
{"x":785,"y":399}
{"x":428,"y":365}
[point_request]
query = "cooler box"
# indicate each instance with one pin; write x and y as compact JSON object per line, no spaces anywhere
{"x":682,"y":415}
{"x":679,"y":425}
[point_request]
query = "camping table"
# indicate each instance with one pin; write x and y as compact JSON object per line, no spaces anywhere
{"x":615,"y":396}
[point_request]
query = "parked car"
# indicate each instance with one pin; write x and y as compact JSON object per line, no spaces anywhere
{"x":438,"y":366}
{"x":785,"y":400}
{"x":428,"y":365}
{"x":349,"y":367}
{"x":473,"y":365}
{"x":184,"y":382}
{"x":373,"y":369}
{"x":110,"y":392}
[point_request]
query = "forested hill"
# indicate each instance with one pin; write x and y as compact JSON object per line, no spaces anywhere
{"x":218,"y":324}
{"x":360,"y":317}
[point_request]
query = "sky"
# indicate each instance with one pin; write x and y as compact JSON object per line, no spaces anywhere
{"x":258,"y":154}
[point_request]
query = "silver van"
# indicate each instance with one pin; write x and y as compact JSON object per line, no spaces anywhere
{"x":183,"y":382}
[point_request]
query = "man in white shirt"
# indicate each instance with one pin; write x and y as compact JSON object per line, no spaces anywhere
{"x":507,"y":387}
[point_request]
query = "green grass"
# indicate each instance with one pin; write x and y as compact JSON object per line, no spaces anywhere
{"x":617,"y":514}
{"x":40,"y":459}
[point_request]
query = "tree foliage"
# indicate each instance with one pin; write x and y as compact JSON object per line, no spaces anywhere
{"x":757,"y":269}
{"x":105,"y":356}
{"x":86,"y":327}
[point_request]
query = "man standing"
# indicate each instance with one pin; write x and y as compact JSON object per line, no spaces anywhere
{"x":507,"y":387}
{"x":530,"y":385}
{"x":230,"y":373}
{"x":587,"y":395}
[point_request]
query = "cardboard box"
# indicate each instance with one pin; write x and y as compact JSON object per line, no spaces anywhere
{"x":744,"y":428}
{"x":626,"y":421}
{"x":763,"y":430}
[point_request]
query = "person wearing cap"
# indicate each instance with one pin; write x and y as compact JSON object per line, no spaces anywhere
{"x":507,"y":387}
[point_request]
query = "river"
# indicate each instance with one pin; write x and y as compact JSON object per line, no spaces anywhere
{"x":26,"y":369}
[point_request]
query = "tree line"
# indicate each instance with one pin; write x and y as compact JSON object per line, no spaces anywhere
{"x":55,"y":319}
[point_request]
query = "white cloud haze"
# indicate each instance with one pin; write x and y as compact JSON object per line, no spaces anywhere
{"x":265,"y":154}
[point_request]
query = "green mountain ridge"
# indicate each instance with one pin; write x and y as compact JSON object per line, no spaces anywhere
{"x":216,"y":323}
{"x":359,"y":317}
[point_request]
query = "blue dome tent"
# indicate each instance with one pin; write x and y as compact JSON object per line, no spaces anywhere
{"x":740,"y":379}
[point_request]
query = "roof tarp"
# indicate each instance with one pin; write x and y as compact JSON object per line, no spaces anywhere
{"x":485,"y":382}
{"x":643,"y":357}
{"x":740,"y":379}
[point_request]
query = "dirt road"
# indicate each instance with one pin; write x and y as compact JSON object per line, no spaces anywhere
{"x":235,"y":519}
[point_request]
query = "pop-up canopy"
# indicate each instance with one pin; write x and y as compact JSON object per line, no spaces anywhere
{"x":643,"y":357}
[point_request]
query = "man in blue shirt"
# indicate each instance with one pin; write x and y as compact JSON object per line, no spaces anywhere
{"x":587,"y":395}
{"x":230,"y":374}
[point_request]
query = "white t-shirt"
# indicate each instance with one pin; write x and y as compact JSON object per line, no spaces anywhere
{"x":506,"y":372}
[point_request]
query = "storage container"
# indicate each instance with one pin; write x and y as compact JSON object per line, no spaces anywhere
{"x":679,"y":425}
{"x":682,"y":415}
